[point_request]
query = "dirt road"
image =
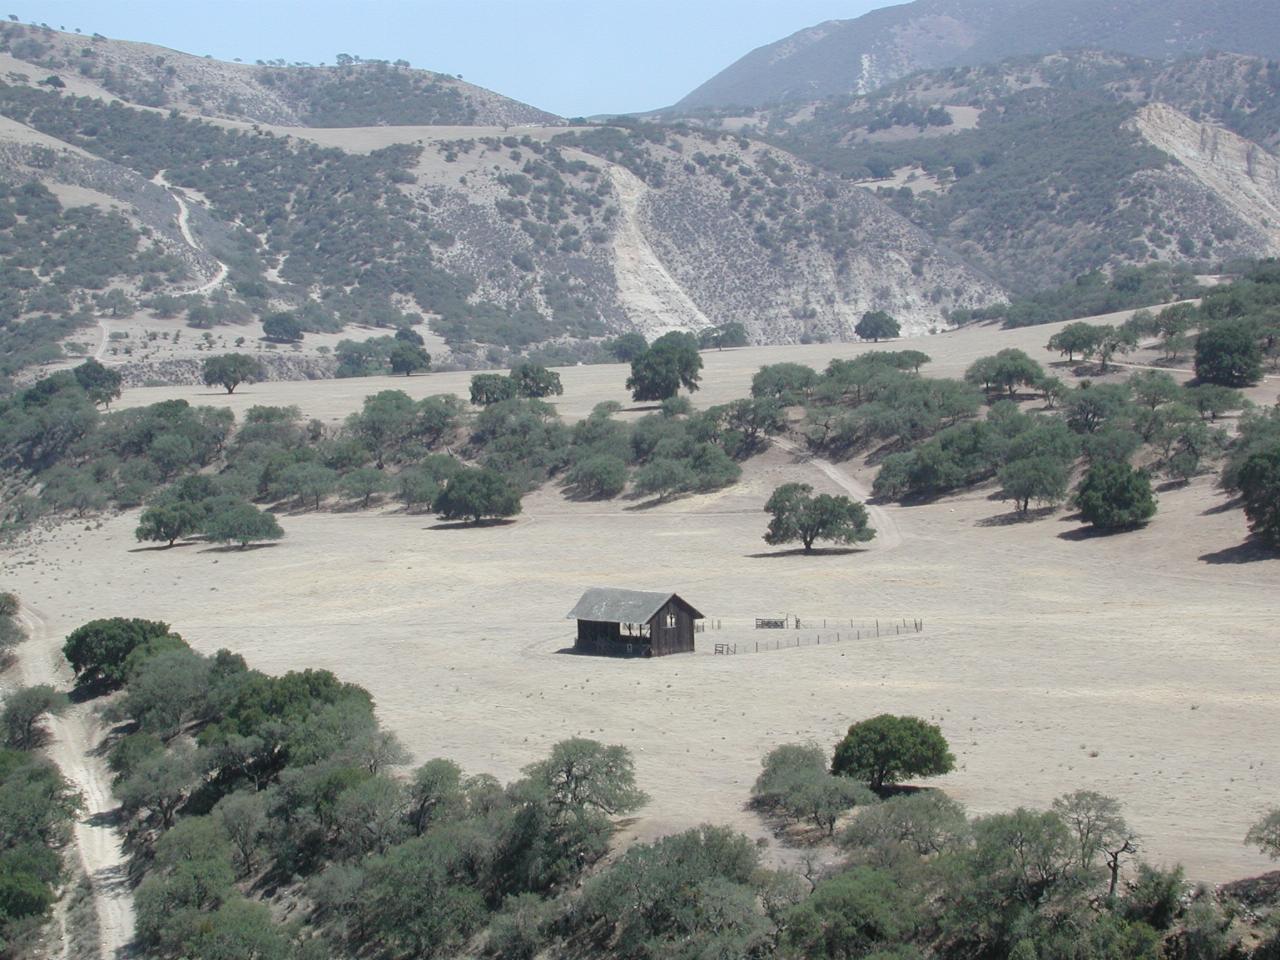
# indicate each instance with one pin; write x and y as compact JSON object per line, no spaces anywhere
{"x":74,"y":739}
{"x":184,"y":225}
{"x":886,"y":527}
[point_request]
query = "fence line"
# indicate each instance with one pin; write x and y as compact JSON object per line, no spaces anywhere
{"x":876,"y":630}
{"x":792,"y":621}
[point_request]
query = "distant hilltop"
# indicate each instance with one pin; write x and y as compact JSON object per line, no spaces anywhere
{"x":857,"y":56}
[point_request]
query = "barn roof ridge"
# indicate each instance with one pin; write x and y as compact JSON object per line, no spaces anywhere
{"x":619,"y":605}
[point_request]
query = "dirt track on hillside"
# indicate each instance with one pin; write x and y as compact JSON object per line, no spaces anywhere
{"x":74,"y":738}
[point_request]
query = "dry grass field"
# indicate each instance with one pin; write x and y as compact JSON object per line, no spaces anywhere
{"x":1143,"y":665}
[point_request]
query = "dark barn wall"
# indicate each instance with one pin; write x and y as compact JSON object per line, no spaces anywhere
{"x":677,"y":639}
{"x":593,"y":633}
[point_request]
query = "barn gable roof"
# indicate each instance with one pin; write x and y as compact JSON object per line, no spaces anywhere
{"x":614,"y":605}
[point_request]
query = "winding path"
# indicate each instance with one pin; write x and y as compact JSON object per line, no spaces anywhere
{"x":887,"y":533}
{"x":184,"y":225}
{"x":104,"y":335}
{"x":74,"y":738}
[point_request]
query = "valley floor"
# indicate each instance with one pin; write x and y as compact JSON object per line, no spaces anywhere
{"x":1142,"y":665}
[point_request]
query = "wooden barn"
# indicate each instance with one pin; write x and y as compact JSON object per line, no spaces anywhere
{"x":633,"y":623}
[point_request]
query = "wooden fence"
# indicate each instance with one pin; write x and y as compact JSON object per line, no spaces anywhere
{"x":825,"y":631}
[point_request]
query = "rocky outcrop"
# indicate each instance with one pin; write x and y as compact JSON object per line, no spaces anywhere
{"x":1238,"y":173}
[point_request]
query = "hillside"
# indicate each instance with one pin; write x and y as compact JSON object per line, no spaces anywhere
{"x":497,"y":240}
{"x":1041,"y":169}
{"x":351,"y":93}
{"x":856,"y":56}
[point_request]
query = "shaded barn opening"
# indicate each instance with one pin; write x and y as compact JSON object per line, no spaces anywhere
{"x":633,"y":623}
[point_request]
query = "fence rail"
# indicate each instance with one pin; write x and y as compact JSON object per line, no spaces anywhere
{"x":817,"y":631}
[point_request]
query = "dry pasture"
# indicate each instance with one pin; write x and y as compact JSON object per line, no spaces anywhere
{"x":1143,"y":665}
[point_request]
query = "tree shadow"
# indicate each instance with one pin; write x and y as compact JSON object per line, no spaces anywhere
{"x":91,"y":690}
{"x":115,"y":733}
{"x":650,"y":503}
{"x":352,"y":506}
{"x":995,"y":396}
{"x":165,"y":547}
{"x":890,"y":790}
{"x":472,"y":524}
{"x":1013,"y":516}
{"x":1173,"y":485}
{"x":235,"y":548}
{"x":1095,"y":533}
{"x":294,"y":509}
{"x":41,"y":737}
{"x":575,"y":494}
{"x":107,"y":818}
{"x":801,"y":552}
{"x":1251,"y":551}
{"x":1235,"y":503}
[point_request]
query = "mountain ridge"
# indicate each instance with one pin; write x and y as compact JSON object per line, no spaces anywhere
{"x":498,"y":241}
{"x":856,"y":56}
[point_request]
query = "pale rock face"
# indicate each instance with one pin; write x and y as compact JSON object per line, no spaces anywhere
{"x":654,"y":302}
{"x":1240,"y":173}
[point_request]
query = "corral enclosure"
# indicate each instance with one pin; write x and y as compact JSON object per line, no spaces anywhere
{"x":1142,"y":665}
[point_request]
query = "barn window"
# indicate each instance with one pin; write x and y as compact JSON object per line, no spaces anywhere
{"x":671,"y":621}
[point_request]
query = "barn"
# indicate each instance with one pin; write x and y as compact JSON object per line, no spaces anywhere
{"x":633,"y":623}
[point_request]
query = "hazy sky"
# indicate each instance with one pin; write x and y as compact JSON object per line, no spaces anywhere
{"x":572,"y":57}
